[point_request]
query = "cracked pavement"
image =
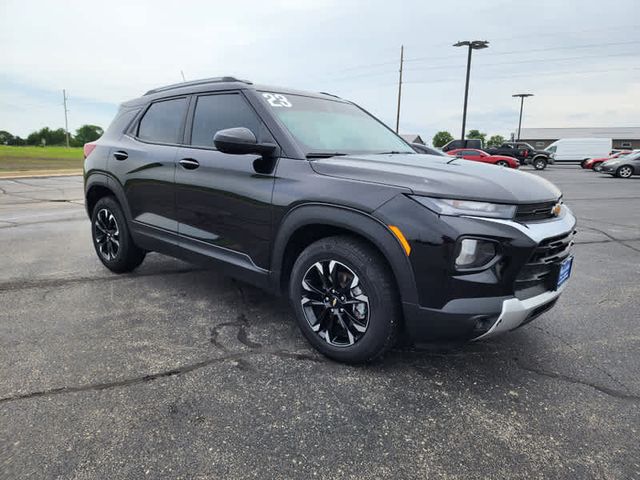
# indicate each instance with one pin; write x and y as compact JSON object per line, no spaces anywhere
{"x":175,"y":371}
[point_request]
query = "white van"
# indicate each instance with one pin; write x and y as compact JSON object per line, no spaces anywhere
{"x":579,"y":149}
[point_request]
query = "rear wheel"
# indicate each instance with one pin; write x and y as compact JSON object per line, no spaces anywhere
{"x":539,"y":163}
{"x":583,"y":163}
{"x":624,"y":171}
{"x":111,"y":238}
{"x":345,"y":299}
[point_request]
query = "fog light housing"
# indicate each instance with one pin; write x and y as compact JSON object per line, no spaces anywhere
{"x":473,"y":253}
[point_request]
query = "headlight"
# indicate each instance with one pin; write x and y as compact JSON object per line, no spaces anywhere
{"x":446,"y":206}
{"x":474,"y":253}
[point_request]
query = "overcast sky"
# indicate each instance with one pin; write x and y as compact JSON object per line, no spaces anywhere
{"x":579,"y":57}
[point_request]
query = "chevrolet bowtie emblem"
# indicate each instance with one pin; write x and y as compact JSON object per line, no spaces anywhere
{"x":555,"y":211}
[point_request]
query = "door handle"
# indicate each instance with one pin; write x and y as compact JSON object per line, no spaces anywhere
{"x":189,"y":163}
{"x":120,"y":155}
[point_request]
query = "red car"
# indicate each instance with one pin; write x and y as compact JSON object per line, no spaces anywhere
{"x":595,"y":164}
{"x":480,"y":156}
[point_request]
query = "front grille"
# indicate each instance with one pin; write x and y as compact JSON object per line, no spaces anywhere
{"x":535,"y":211}
{"x":540,"y":273}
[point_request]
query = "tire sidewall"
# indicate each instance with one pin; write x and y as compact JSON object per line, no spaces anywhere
{"x":619,"y":171}
{"x":381,"y":308}
{"x":539,"y":163}
{"x":119,"y":263}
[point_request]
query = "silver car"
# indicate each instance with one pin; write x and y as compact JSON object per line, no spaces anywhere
{"x":623,"y":167}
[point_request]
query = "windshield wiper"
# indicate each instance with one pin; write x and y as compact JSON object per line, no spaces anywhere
{"x":394,"y":152}
{"x":325,"y":154}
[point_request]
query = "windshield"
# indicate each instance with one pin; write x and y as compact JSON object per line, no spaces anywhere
{"x":551,"y":149}
{"x":333,"y":127}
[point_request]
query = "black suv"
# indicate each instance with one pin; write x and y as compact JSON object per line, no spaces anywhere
{"x":525,"y":154}
{"x":308,"y":195}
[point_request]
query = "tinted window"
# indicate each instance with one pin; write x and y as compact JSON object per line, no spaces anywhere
{"x":163,"y":121}
{"x":217,"y":112}
{"x":470,"y":152}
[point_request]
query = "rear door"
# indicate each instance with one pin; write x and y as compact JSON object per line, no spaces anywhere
{"x":144,"y":163}
{"x":223,"y":204}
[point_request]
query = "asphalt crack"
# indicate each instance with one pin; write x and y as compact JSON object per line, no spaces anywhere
{"x":612,"y":238}
{"x":96,"y":387}
{"x":569,"y":379}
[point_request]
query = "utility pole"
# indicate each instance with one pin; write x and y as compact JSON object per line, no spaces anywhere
{"x":473,"y":45}
{"x":399,"y":88}
{"x":522,"y":97}
{"x":66,"y":124}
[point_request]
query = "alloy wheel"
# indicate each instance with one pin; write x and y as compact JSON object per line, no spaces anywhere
{"x":107,"y":234}
{"x":502,"y":163}
{"x":597,"y":167}
{"x":334,"y":303}
{"x":625,"y":172}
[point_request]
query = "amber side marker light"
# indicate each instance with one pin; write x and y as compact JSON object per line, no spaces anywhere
{"x":401,"y":238}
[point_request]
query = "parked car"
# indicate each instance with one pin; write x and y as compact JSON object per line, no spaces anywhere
{"x":468,"y":143}
{"x":624,"y":166}
{"x":524,"y":153}
{"x":482,"y":156}
{"x":595,"y":164}
{"x":420,"y":148}
{"x":309,"y":196}
{"x":575,"y":150}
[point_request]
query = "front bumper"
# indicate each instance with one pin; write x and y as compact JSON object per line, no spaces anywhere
{"x":483,"y":305}
{"x":516,"y":313}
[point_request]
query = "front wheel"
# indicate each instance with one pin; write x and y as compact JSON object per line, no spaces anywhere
{"x":597,"y":167}
{"x":345,"y":299}
{"x":502,"y":163}
{"x":624,"y":171}
{"x":111,"y":237}
{"x":539,"y":163}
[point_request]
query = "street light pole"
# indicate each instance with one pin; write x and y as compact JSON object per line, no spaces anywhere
{"x":473,"y":45}
{"x":522,"y":97}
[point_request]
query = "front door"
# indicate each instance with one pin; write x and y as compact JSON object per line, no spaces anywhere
{"x":223,"y":205}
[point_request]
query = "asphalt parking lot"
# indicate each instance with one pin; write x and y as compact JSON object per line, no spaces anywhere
{"x":178,"y":372}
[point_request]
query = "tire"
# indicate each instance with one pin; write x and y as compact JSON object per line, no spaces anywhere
{"x":597,"y":167}
{"x":502,"y":163}
{"x":625,"y":171}
{"x":583,"y":163}
{"x":111,"y":238}
{"x":355,"y":332}
{"x":539,"y":163}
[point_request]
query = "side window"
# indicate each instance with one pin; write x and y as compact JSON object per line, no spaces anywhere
{"x":470,"y":152}
{"x":162,"y":122}
{"x":217,"y":112}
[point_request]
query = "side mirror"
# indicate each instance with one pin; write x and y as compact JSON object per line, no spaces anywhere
{"x":240,"y":141}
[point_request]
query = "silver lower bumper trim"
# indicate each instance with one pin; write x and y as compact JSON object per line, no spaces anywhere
{"x":515,"y":312}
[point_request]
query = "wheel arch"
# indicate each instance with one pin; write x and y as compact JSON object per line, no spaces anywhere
{"x":100,"y":185}
{"x":310,"y":222}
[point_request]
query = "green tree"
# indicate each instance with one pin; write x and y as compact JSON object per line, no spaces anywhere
{"x":495,"y":141}
{"x":50,"y":137}
{"x":6,"y":138}
{"x":473,"y":134}
{"x":86,"y":134}
{"x":441,"y":138}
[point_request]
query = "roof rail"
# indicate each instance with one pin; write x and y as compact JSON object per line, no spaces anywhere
{"x":330,"y":94}
{"x":197,"y":82}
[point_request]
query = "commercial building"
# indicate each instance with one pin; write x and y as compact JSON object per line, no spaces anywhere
{"x":623,"y":137}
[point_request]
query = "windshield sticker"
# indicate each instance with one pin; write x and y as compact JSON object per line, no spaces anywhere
{"x":277,"y":100}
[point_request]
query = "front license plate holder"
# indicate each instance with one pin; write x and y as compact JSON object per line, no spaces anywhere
{"x":564,"y":271}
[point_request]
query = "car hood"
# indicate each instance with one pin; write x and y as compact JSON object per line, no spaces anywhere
{"x":442,"y":177}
